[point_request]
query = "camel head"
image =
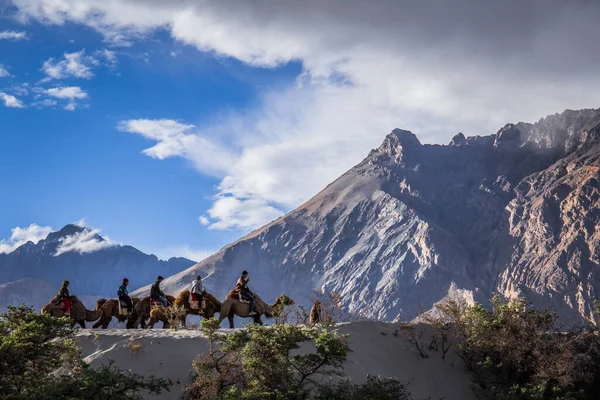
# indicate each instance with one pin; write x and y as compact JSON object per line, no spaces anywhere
{"x":99,"y":303}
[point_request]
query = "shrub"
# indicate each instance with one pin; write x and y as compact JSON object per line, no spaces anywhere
{"x":258,"y":362}
{"x":375,"y":388}
{"x":39,"y":360}
{"x":519,"y":352}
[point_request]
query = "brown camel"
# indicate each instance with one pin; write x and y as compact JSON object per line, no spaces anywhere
{"x":232,"y":306}
{"x":141,"y":312}
{"x":315,"y":313}
{"x":211,"y":307}
{"x":79,"y":314}
{"x":110,"y":309}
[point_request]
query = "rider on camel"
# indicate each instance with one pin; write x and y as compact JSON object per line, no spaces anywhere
{"x":196,"y":290}
{"x":157,"y":294}
{"x":124,"y":295}
{"x":64,"y":297}
{"x":242,"y":287}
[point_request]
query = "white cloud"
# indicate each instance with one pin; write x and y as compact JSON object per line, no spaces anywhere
{"x":175,"y":139}
{"x":44,"y":103}
{"x":431,"y":67}
{"x":3,"y":72}
{"x":13,"y":35}
{"x":204,"y":220}
{"x":19,"y":236}
{"x":183,"y":251}
{"x":86,"y":241}
{"x":67,"y":92}
{"x":109,"y":56}
{"x":76,"y":65}
{"x":11,"y":101}
{"x":233,"y":213}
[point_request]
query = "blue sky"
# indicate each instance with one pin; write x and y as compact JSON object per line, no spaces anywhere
{"x":62,"y":166}
{"x":178,"y":127}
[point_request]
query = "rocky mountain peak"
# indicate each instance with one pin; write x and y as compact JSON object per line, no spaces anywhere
{"x":66,"y":231}
{"x":399,"y":147}
{"x":458,"y":140}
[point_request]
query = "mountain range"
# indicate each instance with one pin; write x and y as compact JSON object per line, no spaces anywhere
{"x":515,"y":213}
{"x":94,"y":266}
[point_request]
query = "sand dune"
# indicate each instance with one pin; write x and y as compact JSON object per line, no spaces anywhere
{"x":375,"y":350}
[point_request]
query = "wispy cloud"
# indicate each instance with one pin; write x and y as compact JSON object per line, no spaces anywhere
{"x":109,"y":56}
{"x":177,"y":139}
{"x":75,"y":65}
{"x":69,"y":93}
{"x":11,"y":101}
{"x":86,"y":241}
{"x":13,"y":35}
{"x":3,"y":72}
{"x":19,"y":236}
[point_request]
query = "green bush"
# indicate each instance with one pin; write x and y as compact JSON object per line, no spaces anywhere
{"x":263,"y":363}
{"x":40,"y":360}
{"x":519,"y":352}
{"x":375,"y":388}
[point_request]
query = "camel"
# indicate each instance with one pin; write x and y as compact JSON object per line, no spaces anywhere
{"x":79,"y":314}
{"x":141,"y":312}
{"x":232,"y":306}
{"x":315,"y":313}
{"x":212,"y":306}
{"x":109,"y":309}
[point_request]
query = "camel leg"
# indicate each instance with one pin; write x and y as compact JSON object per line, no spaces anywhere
{"x":258,"y":320}
{"x":230,"y":318}
{"x":82,"y":323}
{"x":183,"y":321}
{"x":99,"y":323}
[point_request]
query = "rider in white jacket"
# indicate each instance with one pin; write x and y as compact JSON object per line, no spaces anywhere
{"x":196,"y":289}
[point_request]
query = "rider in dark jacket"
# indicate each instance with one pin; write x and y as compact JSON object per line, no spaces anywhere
{"x":64,"y":296}
{"x":124,"y":295}
{"x":156,"y":293}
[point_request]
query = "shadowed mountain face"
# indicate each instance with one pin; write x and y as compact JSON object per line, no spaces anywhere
{"x":92,"y":265}
{"x":515,"y":212}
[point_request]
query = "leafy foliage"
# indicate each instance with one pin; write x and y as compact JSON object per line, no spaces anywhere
{"x":220,"y":371}
{"x":39,"y":360}
{"x":274,"y":363}
{"x":519,"y":352}
{"x":375,"y":388}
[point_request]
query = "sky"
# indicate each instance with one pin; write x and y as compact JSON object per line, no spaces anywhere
{"x":179,"y":126}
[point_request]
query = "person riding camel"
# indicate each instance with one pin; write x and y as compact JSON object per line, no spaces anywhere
{"x":196,"y":291}
{"x":64,"y":297}
{"x":124,"y":295}
{"x":157,"y":294}
{"x":242,"y":286}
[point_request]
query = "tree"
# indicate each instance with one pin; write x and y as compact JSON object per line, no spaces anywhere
{"x":219,"y":373}
{"x":257,"y":362}
{"x":39,"y":360}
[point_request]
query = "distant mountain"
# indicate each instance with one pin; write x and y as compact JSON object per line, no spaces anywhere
{"x":88,"y":261}
{"x":516,"y":212}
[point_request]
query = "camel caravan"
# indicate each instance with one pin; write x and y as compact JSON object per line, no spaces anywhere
{"x":163,"y":308}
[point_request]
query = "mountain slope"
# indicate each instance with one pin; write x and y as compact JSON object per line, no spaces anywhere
{"x":413,"y":223}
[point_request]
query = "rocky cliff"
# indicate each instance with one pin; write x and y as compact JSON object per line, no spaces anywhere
{"x":515,"y":212}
